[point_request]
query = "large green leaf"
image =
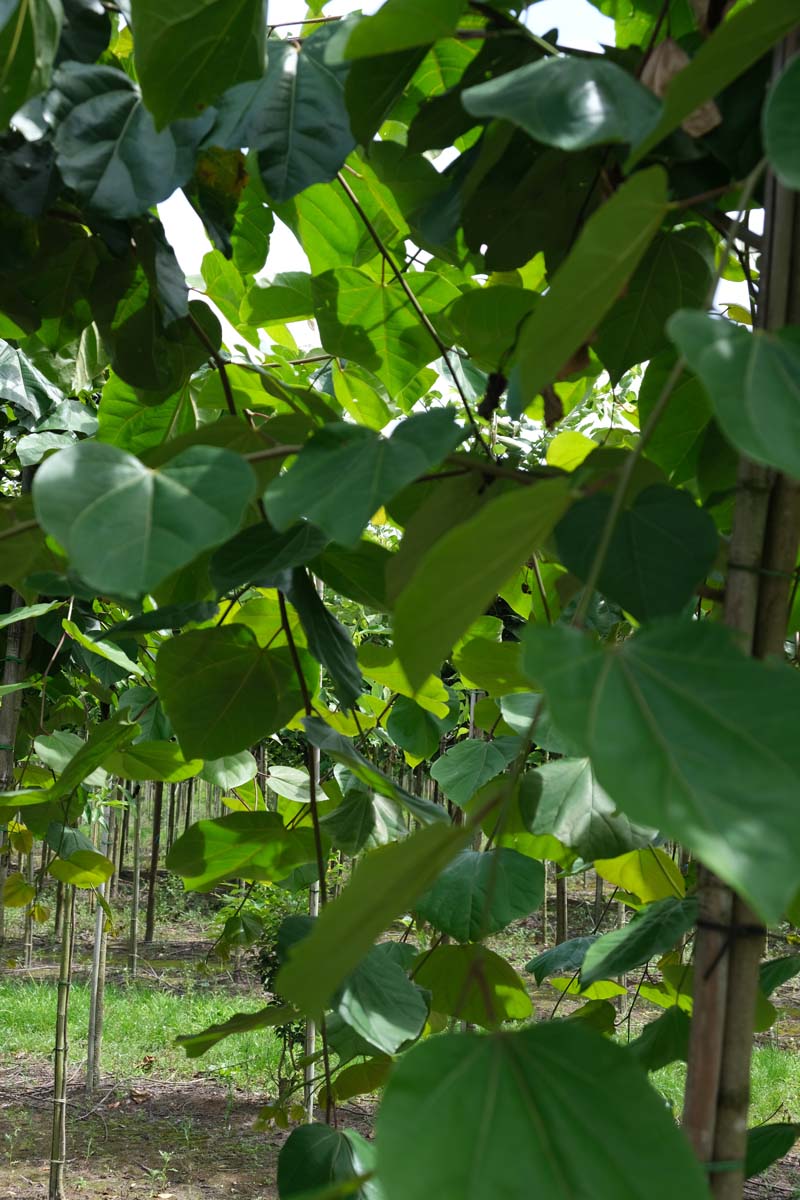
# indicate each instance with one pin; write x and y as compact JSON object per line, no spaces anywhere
{"x":663,"y":1041}
{"x":373,"y":322}
{"x":287,"y":298}
{"x":568,"y":102}
{"x":243,"y":845}
{"x":480,"y":893}
{"x":402,"y":24}
{"x":346,"y":472}
{"x":575,"y":809}
{"x":381,"y":1003}
{"x":561,"y":959}
{"x":414,"y":729}
{"x":153,"y":760}
{"x":465,"y":767}
{"x":29,"y":34}
{"x":385,"y":884}
{"x":767,"y":1143}
{"x":779,"y":114}
{"x":189,"y":51}
{"x":662,"y":547}
{"x":463,"y":571}
{"x":317,"y":1162}
{"x":485,"y":321}
{"x":677,"y":438}
{"x":126,"y":527}
{"x":256,"y":554}
{"x":358,"y":572}
{"x":753,"y":380}
{"x":102,"y":740}
{"x":609,"y":249}
{"x":732,"y":48}
{"x":299,"y":122}
{"x":107,"y":146}
{"x":230,"y":771}
{"x":223,"y":692}
{"x":675,"y":273}
{"x":545,"y":1092}
{"x":710,"y":757}
{"x":650,"y":933}
{"x":473,"y":984}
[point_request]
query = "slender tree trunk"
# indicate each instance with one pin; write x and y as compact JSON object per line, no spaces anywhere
{"x":311,"y":1029}
{"x":3,"y":876}
{"x":562,"y":920}
{"x":97,"y":986}
{"x":158,"y":804}
{"x":764,"y":548}
{"x":18,"y":640}
{"x":27,"y":941}
{"x":171,"y":816}
{"x":58,"y":1145}
{"x":189,"y":794}
{"x":598,"y":899}
{"x":123,"y":838}
{"x":133,"y":944}
{"x":58,"y":919}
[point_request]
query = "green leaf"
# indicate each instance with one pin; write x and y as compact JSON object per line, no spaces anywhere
{"x":328,"y":640}
{"x":766,"y":1144}
{"x":414,"y":729}
{"x":89,"y":755}
{"x":401,"y":24}
{"x":287,"y":298}
{"x":374,"y":323}
{"x":196,"y":1044}
{"x":381,"y":1003}
{"x":243,"y":845}
{"x":485,"y":321}
{"x":575,"y":809}
{"x":360,"y":1079}
{"x":29,"y":36}
{"x":493,"y":667}
{"x":291,"y":783}
{"x":780,"y":141}
{"x":778,"y":971}
{"x":385,"y":884}
{"x":473,"y":984}
{"x":462,"y":572}
{"x":662,"y":547}
{"x":17,"y":892}
{"x":168,"y":617}
{"x":663,"y":1041}
{"x":318,"y":1157}
{"x":481,"y":893}
{"x":465,"y":767}
{"x":223,"y":692}
{"x":649,"y":874}
{"x":346,"y":472}
{"x":301,"y":128}
{"x":380,"y":663}
{"x":126,"y":527}
{"x":677,"y":439}
{"x":153,"y":760}
{"x":562,"y":959}
{"x":543,"y":1091}
{"x":373,"y":87}
{"x":568,"y":102}
{"x":343,"y":751}
{"x":104,"y":649}
{"x":609,"y":248}
{"x":257,"y":554}
{"x":752,"y":380}
{"x":107,"y":147}
{"x":650,"y":933}
{"x":733,"y":47}
{"x":231,"y":771}
{"x":130,"y":424}
{"x":675,"y":273}
{"x":28,"y":612}
{"x":358,"y":573}
{"x":190,"y":51}
{"x":705,"y":730}
{"x":83,"y":869}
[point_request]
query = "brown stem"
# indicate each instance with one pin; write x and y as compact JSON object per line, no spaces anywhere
{"x":218,"y":361}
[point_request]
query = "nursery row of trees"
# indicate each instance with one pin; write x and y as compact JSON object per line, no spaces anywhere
{"x":527,"y":519}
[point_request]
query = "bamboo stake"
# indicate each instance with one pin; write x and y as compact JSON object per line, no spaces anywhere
{"x":58,"y":1145}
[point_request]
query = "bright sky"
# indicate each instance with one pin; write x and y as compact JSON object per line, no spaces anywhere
{"x":579,"y":24}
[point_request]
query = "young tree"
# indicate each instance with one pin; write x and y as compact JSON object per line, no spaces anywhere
{"x":531,"y":459}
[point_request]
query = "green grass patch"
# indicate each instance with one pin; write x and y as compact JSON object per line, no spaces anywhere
{"x":775,"y":1085}
{"x":139,"y":1031}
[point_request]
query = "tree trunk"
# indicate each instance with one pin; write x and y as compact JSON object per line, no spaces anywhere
{"x":97,"y":986}
{"x":171,"y":816}
{"x":158,"y":804}
{"x":3,"y":874}
{"x":562,"y":921}
{"x":133,"y":944}
{"x":58,"y":1145}
{"x":764,"y":548}
{"x":189,"y":794}
{"x":27,"y":940}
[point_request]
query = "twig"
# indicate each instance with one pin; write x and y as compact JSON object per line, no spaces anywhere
{"x":219,"y":362}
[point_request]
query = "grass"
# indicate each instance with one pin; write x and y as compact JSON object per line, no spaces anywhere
{"x":775,"y":1085}
{"x":140,"y":1026}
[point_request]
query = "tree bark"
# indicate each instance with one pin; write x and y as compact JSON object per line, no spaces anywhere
{"x":158,"y":805}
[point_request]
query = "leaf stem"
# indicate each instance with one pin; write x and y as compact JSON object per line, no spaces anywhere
{"x":418,"y":309}
{"x":219,"y":362}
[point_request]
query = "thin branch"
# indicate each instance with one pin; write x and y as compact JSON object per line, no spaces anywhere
{"x":272,"y":452}
{"x":415,"y":304}
{"x":219,"y":362}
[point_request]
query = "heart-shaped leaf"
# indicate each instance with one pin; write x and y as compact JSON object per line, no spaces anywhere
{"x":126,"y":527}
